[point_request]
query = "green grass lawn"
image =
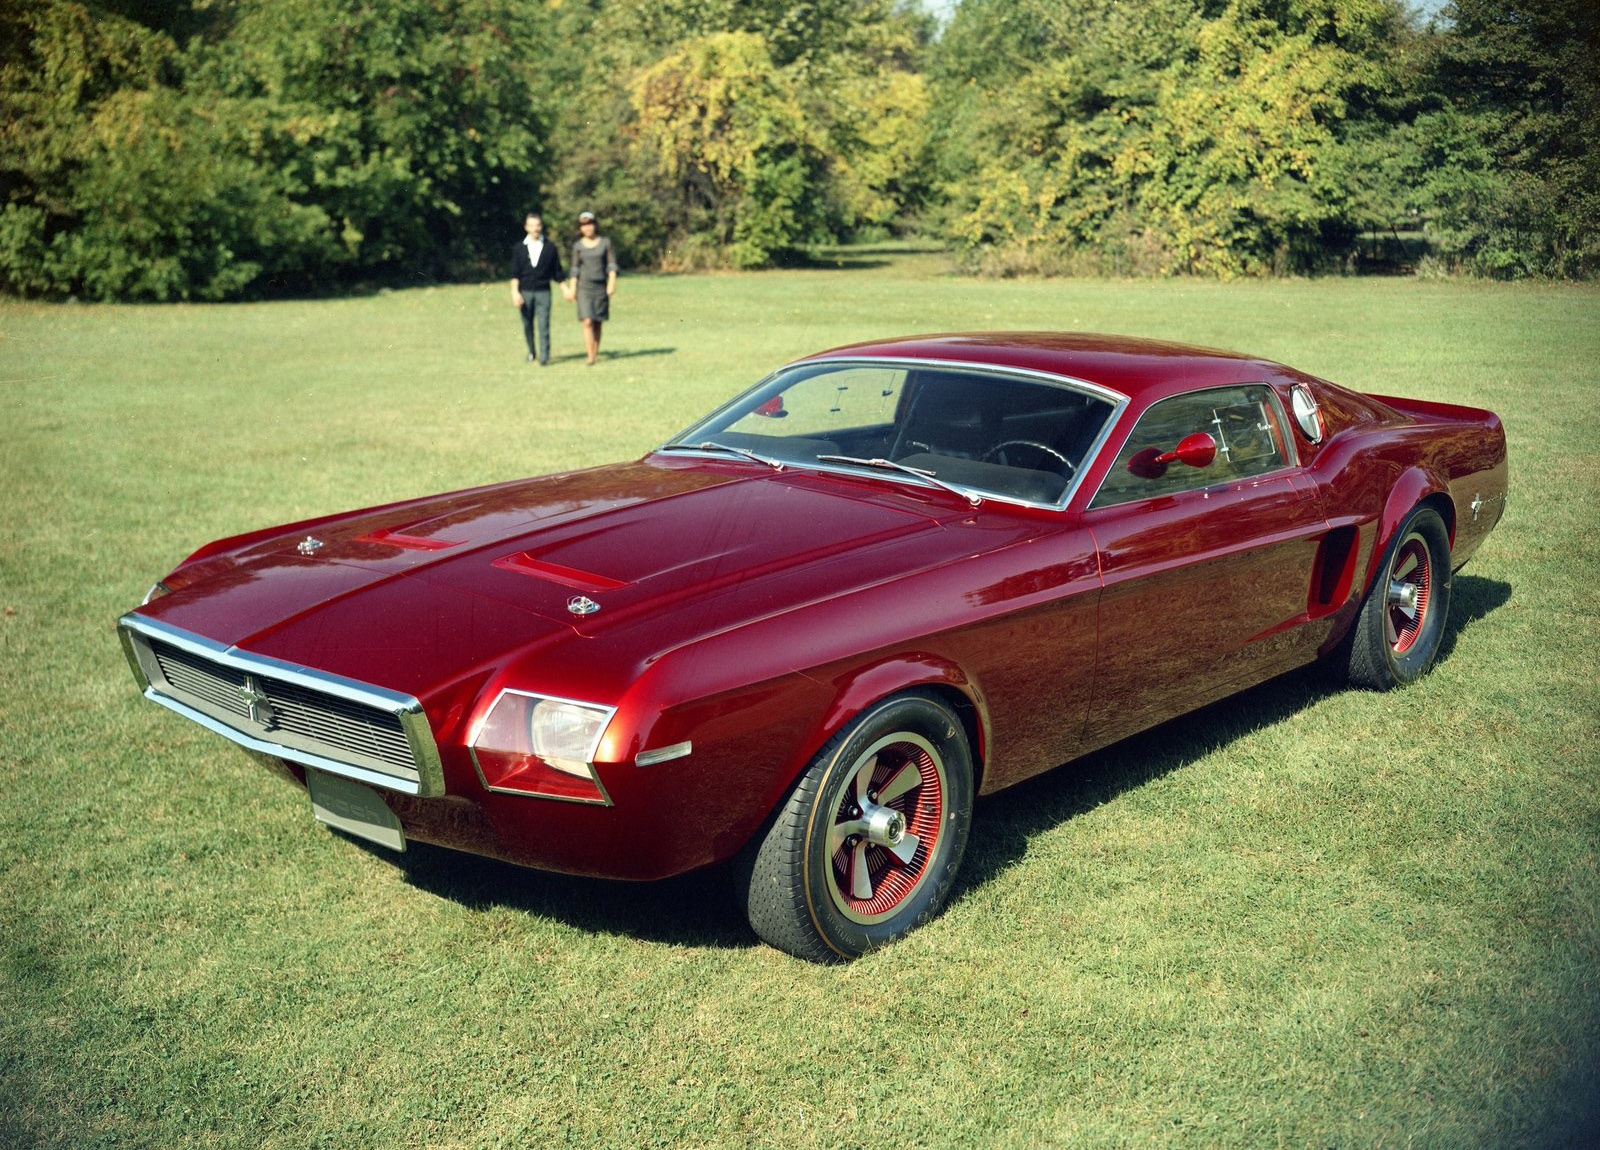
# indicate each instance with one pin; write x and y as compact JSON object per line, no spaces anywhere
{"x":1306,"y":916}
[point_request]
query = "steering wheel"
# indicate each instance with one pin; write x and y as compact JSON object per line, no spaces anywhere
{"x":999,"y":449}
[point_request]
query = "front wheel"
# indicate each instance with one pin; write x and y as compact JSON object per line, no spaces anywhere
{"x":868,"y":843}
{"x":1401,"y":624}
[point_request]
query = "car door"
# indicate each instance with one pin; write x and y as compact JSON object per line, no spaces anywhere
{"x":1206,"y":555}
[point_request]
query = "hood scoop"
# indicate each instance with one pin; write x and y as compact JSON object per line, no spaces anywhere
{"x":526,"y":563}
{"x":396,"y":537}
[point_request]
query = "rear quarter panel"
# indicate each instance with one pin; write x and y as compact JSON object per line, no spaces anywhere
{"x":1466,"y":448}
{"x":1383,"y":456}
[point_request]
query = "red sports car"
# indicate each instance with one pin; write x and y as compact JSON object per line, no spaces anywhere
{"x":805,"y":634}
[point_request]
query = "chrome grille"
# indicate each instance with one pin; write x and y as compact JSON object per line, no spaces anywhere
{"x":333,"y":723}
{"x":297,"y":713}
{"x":341,"y":723}
{"x":190,"y":675}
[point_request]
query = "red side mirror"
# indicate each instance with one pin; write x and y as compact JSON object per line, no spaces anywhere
{"x":1197,"y":449}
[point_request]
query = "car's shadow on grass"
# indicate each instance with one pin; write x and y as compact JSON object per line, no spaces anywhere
{"x":698,"y":909}
{"x":690,"y":910}
{"x":1006,"y":822}
{"x":1471,"y":598}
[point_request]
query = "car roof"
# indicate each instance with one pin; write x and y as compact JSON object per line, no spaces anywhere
{"x":1142,"y":369}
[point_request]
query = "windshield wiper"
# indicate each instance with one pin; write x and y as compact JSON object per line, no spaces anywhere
{"x":918,"y":472}
{"x":709,"y":445}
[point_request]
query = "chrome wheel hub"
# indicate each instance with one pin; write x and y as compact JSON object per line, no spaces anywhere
{"x":1404,"y":597}
{"x":884,"y":825}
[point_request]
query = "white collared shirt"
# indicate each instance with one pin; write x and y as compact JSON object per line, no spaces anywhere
{"x":534,"y":248}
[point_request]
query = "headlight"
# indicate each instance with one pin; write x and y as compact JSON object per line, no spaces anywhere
{"x":533,"y":744}
{"x":565,"y":734}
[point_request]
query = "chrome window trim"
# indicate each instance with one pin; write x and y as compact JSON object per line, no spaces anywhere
{"x":1117,"y":399}
{"x":137,"y":631}
{"x":1287,"y":443}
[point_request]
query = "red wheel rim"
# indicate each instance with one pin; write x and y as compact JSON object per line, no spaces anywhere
{"x":1410,"y":587}
{"x":886,"y":820}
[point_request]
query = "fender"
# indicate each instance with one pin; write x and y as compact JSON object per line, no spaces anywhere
{"x":1413,"y":487}
{"x":858,"y":688}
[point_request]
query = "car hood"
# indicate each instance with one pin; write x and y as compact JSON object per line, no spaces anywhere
{"x":410,"y":595}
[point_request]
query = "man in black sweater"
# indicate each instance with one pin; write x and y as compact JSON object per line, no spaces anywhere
{"x":534,"y":265}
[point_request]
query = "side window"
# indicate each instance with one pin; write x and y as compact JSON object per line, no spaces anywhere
{"x":1244,"y":423}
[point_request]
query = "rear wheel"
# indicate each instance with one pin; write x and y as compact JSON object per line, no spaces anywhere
{"x":868,"y":843}
{"x":1401,"y":624}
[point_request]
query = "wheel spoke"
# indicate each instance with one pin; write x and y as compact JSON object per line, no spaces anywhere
{"x":841,"y":831}
{"x":906,"y":848}
{"x":906,"y":779}
{"x":864,"y":781}
{"x":860,"y":880}
{"x":1407,"y":564}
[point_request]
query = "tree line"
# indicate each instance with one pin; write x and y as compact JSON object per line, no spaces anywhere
{"x":218,"y":149}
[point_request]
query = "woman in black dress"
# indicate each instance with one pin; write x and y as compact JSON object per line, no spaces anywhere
{"x":593,"y":282}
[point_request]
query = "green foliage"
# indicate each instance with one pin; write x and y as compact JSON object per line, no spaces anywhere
{"x":290,"y":144}
{"x":118,"y":186}
{"x":881,"y":144}
{"x":760,"y":127}
{"x":1228,"y":172}
{"x":1514,"y":182}
{"x":410,"y":125}
{"x":84,"y":128}
{"x":1164,"y":137}
{"x":869,"y":102}
{"x":174,"y":208}
{"x":207,"y":149}
{"x":722,"y":125}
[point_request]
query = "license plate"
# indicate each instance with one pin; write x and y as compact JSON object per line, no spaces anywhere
{"x":354,"y":809}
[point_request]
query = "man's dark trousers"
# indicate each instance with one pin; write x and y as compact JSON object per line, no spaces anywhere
{"x":536,"y":310}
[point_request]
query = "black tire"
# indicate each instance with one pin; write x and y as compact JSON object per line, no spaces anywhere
{"x":1401,"y":625}
{"x":837,"y":873}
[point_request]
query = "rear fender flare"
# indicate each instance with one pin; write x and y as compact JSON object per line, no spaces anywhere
{"x":1415,"y":486}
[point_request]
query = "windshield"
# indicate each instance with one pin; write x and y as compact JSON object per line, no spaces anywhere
{"x":992,"y":434}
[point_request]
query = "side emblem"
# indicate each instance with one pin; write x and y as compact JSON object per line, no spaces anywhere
{"x":582,"y":605}
{"x":309,"y":545}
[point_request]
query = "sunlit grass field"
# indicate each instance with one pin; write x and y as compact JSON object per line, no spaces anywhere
{"x":1305,"y":917}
